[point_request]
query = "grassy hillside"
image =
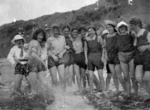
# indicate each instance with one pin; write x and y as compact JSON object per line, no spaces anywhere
{"x":94,"y":13}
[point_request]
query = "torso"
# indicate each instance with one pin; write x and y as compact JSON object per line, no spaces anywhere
{"x":93,"y":45}
{"x":44,"y":52}
{"x":35,"y":47}
{"x":142,"y":39}
{"x":17,"y":53}
{"x":125,"y":43}
{"x":56,"y":45}
{"x":78,"y":45}
{"x":111,"y":43}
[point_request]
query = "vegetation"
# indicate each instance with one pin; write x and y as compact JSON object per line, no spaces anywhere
{"x":92,"y":14}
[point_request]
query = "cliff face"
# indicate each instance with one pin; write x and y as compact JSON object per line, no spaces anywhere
{"x":102,"y":9}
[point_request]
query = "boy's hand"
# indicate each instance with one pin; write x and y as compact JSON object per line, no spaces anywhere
{"x":143,"y":48}
{"x":67,"y":47}
{"x":55,"y":58}
{"x":86,"y":61}
{"x":17,"y":61}
{"x":60,"y":55}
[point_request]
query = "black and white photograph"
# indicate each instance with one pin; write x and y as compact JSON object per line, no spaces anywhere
{"x":74,"y":55}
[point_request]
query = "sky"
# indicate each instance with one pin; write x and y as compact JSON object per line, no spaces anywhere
{"x":12,"y":10}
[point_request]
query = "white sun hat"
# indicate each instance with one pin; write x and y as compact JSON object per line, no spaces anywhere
{"x":105,"y":32}
{"x":17,"y":37}
{"x":110,"y":22}
{"x":122,"y":23}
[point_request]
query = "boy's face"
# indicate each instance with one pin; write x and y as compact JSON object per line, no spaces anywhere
{"x":40,"y":37}
{"x":56,"y":32}
{"x":91,"y":32}
{"x":74,"y":33}
{"x":26,"y":48}
{"x":43,"y":44}
{"x":83,"y":33}
{"x":133,"y":27}
{"x":66,"y":32}
{"x":19,"y":42}
{"x":110,"y":28}
{"x":122,"y":29}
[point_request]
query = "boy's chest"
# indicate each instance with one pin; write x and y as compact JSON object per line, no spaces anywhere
{"x":20,"y":53}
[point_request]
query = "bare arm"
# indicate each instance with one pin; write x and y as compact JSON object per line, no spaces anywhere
{"x":143,"y":48}
{"x":85,"y":52}
{"x":49,"y":46}
{"x":10,"y":56}
{"x":148,"y":38}
{"x":33,"y":54}
{"x":61,"y":53}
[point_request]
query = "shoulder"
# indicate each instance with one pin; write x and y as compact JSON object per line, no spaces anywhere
{"x":33,"y":43}
{"x":14,"y":48}
{"x":61,"y":36}
{"x":148,"y":34}
{"x":99,"y":38}
{"x":49,"y":39}
{"x":87,"y":38}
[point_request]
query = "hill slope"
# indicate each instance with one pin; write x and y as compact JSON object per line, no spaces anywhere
{"x":94,"y":13}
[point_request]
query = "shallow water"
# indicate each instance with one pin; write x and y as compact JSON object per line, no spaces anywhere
{"x":62,"y":101}
{"x":69,"y":101}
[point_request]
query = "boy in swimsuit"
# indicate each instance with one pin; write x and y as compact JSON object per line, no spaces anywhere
{"x":56,"y":45}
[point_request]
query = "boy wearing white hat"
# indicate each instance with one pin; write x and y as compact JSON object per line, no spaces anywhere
{"x":16,"y":57}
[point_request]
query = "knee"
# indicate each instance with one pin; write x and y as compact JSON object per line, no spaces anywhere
{"x":109,"y":76}
{"x":146,"y":78}
{"x":115,"y":77}
{"x":126,"y":78}
{"x":91,"y":74}
{"x":32,"y":75}
{"x":139,"y":78}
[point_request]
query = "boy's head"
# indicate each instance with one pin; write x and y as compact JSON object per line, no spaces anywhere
{"x":110,"y":26}
{"x":35,"y":49}
{"x":122,"y":27}
{"x":55,"y":30}
{"x":26,"y":46}
{"x":18,"y":40}
{"x":82,"y":30}
{"x":135,"y":24}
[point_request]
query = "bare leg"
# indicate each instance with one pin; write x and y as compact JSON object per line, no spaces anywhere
{"x":108,"y":78}
{"x":17,"y":83}
{"x":28,"y":88}
{"x":146,"y":80}
{"x":77,"y":72}
{"x":70,"y":75}
{"x":83,"y":76}
{"x":73,"y":77}
{"x":61,"y":72}
{"x":115,"y":79}
{"x":132,"y":76}
{"x":87,"y":77}
{"x":53,"y":72}
{"x":97,"y":83}
{"x":101,"y":78}
{"x":66,"y":74}
{"x":120,"y":77}
{"x":41,"y":76}
{"x":33,"y":81}
{"x":91,"y":73}
{"x":139,"y":75}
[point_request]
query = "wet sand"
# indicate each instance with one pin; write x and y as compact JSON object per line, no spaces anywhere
{"x":62,"y":101}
